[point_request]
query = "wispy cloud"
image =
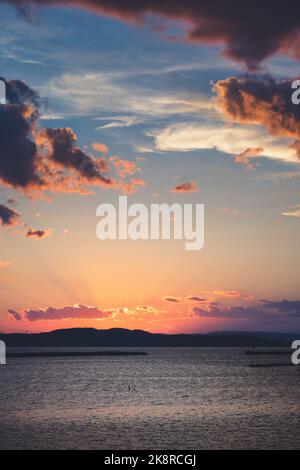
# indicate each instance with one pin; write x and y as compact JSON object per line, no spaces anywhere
{"x":118,"y":121}
{"x":132,"y":103}
{"x":4,"y":264}
{"x":227,"y":138}
{"x":245,"y":157}
{"x":99,"y":147}
{"x":294,"y":212}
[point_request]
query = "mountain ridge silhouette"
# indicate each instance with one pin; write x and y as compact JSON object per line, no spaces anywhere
{"x":122,"y":337}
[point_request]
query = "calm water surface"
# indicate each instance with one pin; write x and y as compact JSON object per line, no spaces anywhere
{"x":178,"y":399}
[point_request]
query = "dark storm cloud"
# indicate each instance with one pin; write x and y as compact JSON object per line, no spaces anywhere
{"x":8,"y":216}
{"x":41,"y":159}
{"x":18,"y":151}
{"x":65,"y":152}
{"x":250,"y":30}
{"x":19,"y":93}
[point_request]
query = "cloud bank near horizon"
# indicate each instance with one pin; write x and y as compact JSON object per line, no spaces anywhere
{"x":76,"y":312}
{"x":267,"y":311}
{"x":263,"y":312}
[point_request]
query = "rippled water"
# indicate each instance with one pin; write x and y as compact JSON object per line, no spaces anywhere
{"x":178,"y":399}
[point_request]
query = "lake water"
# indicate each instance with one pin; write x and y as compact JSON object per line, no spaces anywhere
{"x":178,"y":399}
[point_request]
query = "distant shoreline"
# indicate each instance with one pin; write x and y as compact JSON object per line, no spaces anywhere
{"x":76,"y":354}
{"x":123,"y":338}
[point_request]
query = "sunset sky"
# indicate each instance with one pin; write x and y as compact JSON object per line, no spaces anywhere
{"x":158,"y":96}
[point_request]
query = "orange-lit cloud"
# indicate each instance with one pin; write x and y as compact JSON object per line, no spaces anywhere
{"x":63,"y":152}
{"x":261,"y":100}
{"x":82,"y":312}
{"x":102,"y":148}
{"x":245,"y":157}
{"x":231,"y":294}
{"x":265,"y":312}
{"x":132,"y":186}
{"x":76,"y":312}
{"x":124,"y":167}
{"x":210,"y":296}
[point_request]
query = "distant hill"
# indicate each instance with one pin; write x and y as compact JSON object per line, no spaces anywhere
{"x":118,"y":337}
{"x":274,"y":336}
